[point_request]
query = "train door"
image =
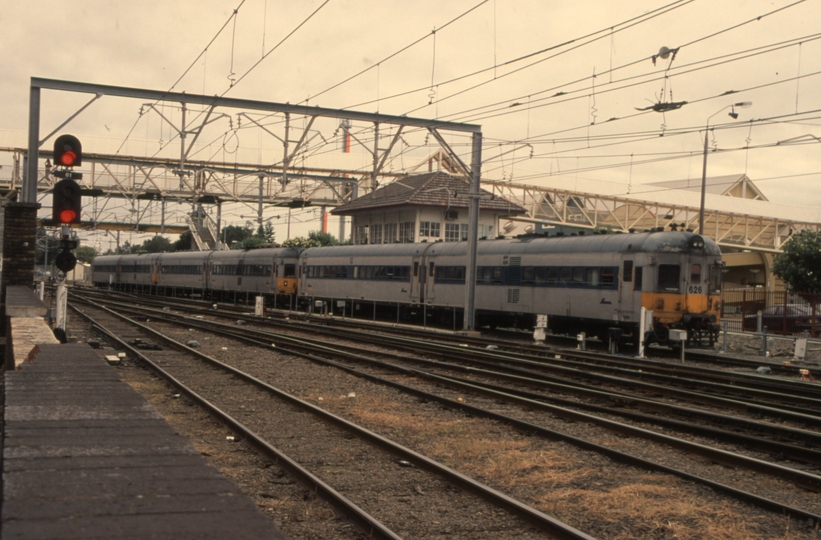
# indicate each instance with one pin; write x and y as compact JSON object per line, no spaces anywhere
{"x":430,"y":283}
{"x":240,"y":270}
{"x":627,"y":302}
{"x":417,"y":280}
{"x":514,"y":299}
{"x":302,"y":281}
{"x":154,"y":267}
{"x":424,"y":280}
{"x":207,"y":272}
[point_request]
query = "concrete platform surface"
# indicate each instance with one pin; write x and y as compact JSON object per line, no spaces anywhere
{"x":85,"y":456}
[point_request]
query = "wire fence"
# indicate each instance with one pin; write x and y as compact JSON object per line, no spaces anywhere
{"x":781,"y":312}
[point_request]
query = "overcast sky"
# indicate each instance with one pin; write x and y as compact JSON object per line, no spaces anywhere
{"x":546,"y":119}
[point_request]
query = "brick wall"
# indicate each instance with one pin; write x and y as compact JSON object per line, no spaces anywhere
{"x":19,"y":242}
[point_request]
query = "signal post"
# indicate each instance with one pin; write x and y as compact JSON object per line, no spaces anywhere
{"x":67,"y":207}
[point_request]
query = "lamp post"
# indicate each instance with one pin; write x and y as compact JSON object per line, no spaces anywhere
{"x":734,"y":115}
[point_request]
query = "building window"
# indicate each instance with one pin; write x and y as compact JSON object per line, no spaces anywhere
{"x":362,"y":234}
{"x":485,"y":231}
{"x":429,"y":229}
{"x":406,"y":230}
{"x":454,"y":232}
{"x":390,"y":233}
{"x":376,"y":234}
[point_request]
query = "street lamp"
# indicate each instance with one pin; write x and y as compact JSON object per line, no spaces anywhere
{"x":734,"y":116}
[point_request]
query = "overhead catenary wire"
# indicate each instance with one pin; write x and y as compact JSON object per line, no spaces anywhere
{"x":537,"y":139}
{"x":703,"y":38}
{"x":398,"y":52}
{"x":516,"y":60}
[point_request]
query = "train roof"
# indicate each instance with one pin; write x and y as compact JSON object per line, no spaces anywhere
{"x":384,"y":250}
{"x":657,"y":242}
{"x":184,"y":255}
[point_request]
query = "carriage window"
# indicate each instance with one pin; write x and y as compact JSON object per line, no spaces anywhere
{"x":669,"y":275}
{"x":528,"y":275}
{"x":695,"y":273}
{"x":564,"y":275}
{"x":552,"y":275}
{"x":578,"y":276}
{"x":628,"y":271}
{"x":415,"y":268}
{"x":715,"y":279}
{"x":639,"y":275}
{"x":593,"y":277}
{"x":497,"y":274}
{"x":608,"y":276}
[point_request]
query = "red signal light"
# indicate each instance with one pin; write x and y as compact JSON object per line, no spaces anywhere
{"x":68,"y":151}
{"x":68,"y":158}
{"x":67,"y":202}
{"x":67,"y":216}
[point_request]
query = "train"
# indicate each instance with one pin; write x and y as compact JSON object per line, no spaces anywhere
{"x":592,"y":283}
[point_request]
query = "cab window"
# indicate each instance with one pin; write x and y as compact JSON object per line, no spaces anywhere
{"x":669,"y":276}
{"x":715,"y":279}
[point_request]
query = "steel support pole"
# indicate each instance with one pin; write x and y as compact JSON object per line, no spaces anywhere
{"x":29,"y":192}
{"x":285,"y":160}
{"x":220,"y":245}
{"x":473,"y":232}
{"x":703,"y":181}
{"x":61,"y":302}
{"x":261,"y":193}
{"x":375,"y":171}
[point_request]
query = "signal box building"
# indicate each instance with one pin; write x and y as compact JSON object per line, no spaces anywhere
{"x":423,"y":208}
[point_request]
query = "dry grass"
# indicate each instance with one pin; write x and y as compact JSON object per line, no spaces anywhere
{"x":662,"y":511}
{"x":641,"y":505}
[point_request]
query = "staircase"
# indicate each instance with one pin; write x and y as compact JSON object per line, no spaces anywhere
{"x":203,"y":230}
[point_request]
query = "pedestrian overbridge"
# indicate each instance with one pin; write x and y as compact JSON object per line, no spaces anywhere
{"x":735,"y":223}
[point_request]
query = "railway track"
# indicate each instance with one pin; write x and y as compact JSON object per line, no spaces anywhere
{"x":229,"y":393}
{"x":533,"y":401}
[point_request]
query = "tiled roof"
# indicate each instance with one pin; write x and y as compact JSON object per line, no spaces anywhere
{"x":432,"y":189}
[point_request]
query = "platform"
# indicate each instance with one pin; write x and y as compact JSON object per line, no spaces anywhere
{"x":86,"y":456}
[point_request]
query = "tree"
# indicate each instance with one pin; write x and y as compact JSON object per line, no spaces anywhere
{"x":235,"y":233}
{"x":314,"y":239}
{"x":183,"y":243}
{"x":264,"y":237}
{"x":158,"y":244}
{"x":799,"y":266}
{"x":124,"y":249}
{"x":252,"y":242}
{"x":266,"y":232}
{"x":85,"y":254}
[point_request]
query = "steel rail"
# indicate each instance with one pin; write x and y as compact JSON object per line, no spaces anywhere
{"x":533,"y":428}
{"x":364,"y":521}
{"x":573,"y":387}
{"x":546,"y":522}
{"x":807,"y":416}
{"x":647,"y":366}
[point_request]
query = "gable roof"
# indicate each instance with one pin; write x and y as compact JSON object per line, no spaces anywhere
{"x":714,"y":185}
{"x":437,"y":189}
